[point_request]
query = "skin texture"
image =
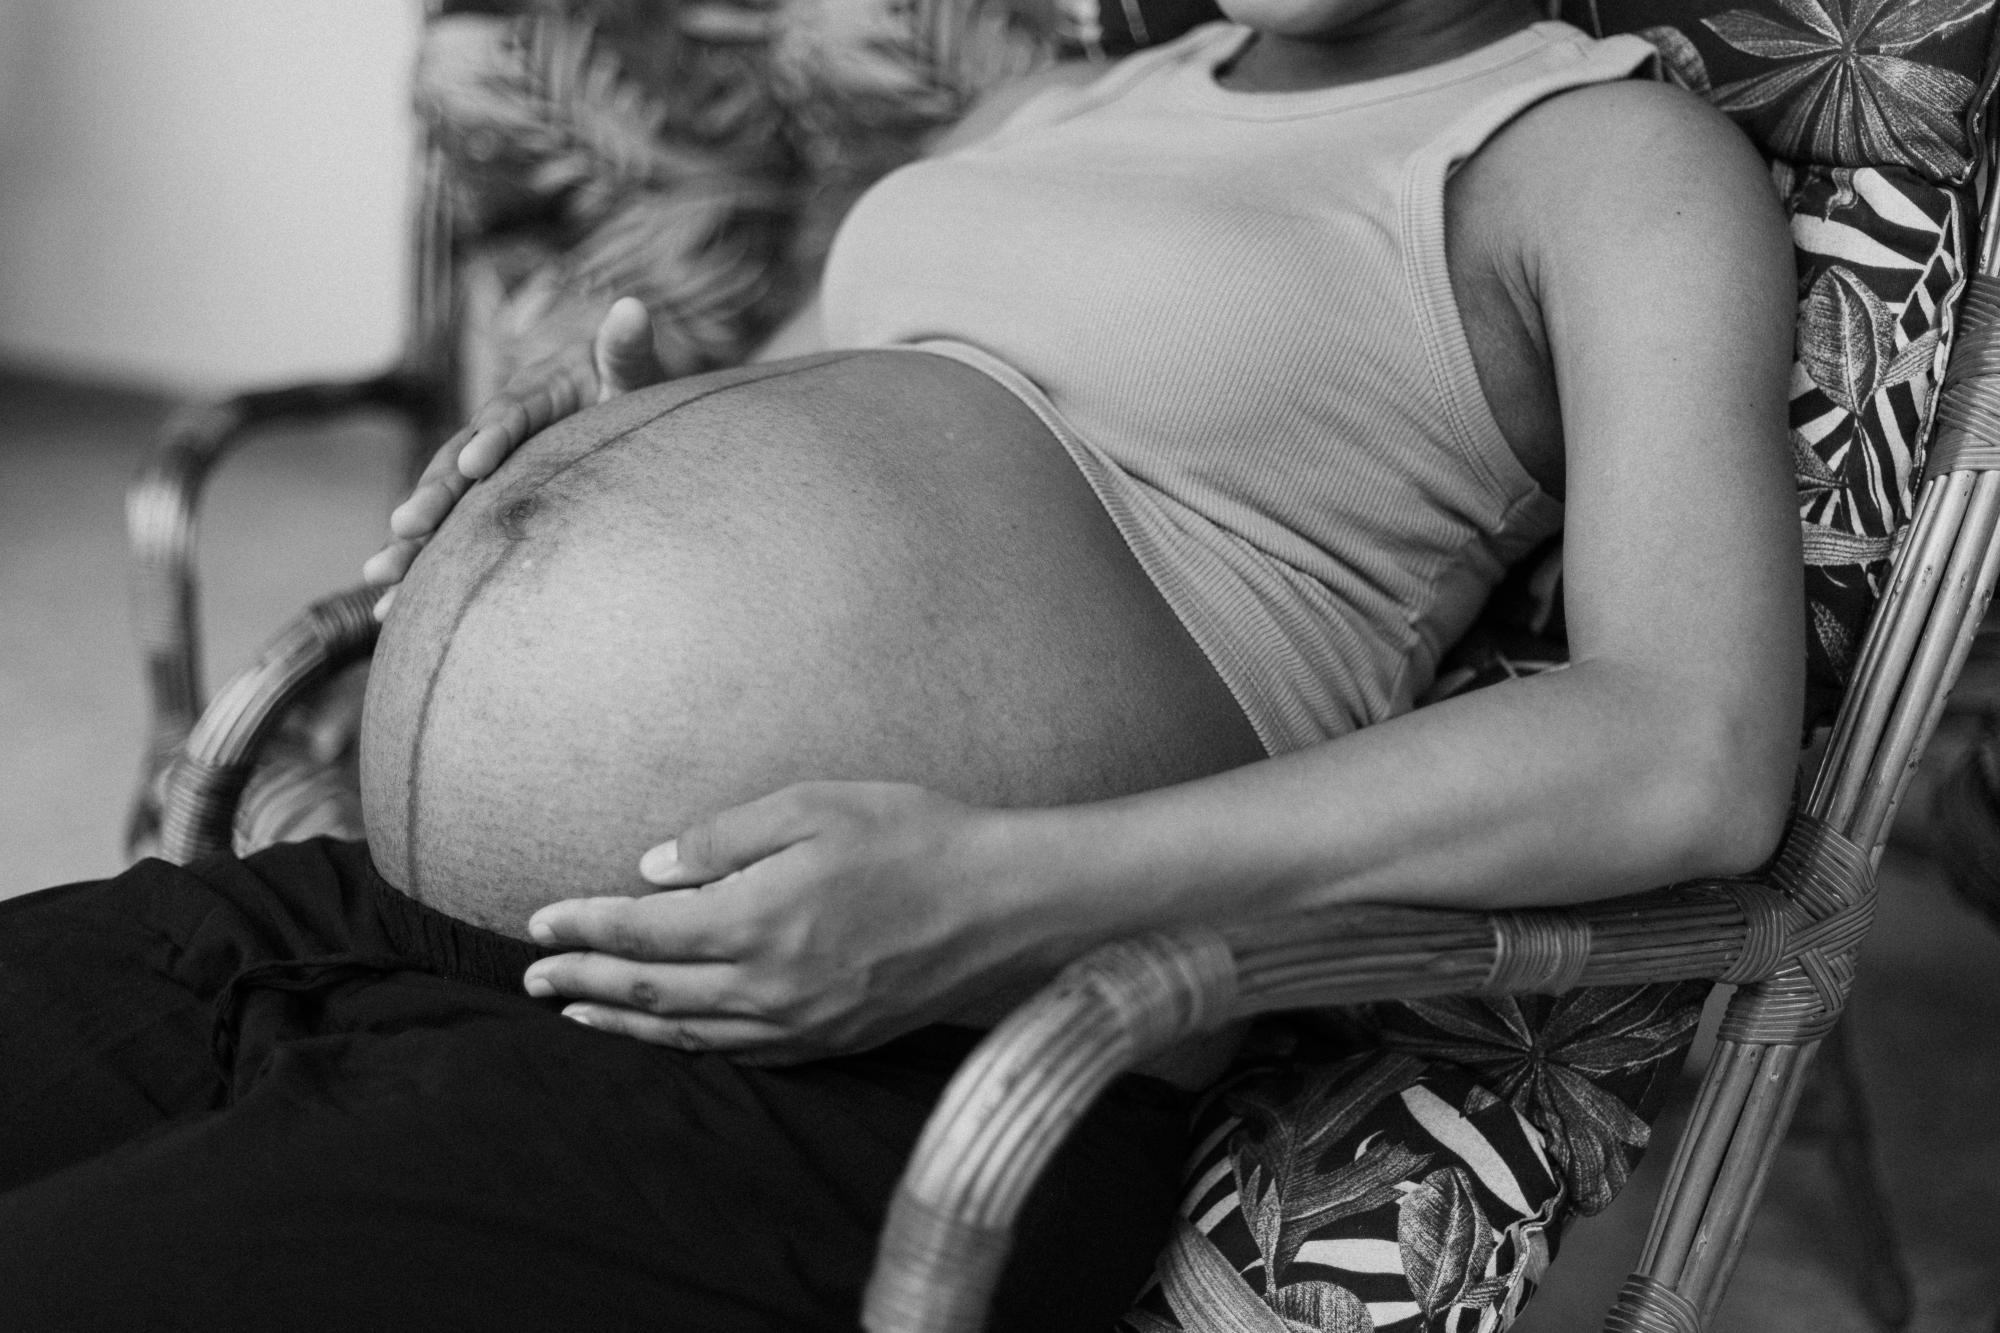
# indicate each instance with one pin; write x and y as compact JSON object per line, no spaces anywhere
{"x":867,"y":565}
{"x":620,"y":359}
{"x":1624,"y":278}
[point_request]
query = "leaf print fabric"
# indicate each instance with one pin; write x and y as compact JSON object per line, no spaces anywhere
{"x":1445,"y":1241}
{"x":1589,"y":1069}
{"x":1847,"y":342}
{"x":1337,"y":1190}
{"x":1843,"y":83}
{"x":1844,"y":88}
{"x":1881,"y":260}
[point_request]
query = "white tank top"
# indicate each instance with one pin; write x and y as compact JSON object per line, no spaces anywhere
{"x":1233,"y":308}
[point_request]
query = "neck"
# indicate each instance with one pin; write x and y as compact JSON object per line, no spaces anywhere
{"x":1393,"y":40}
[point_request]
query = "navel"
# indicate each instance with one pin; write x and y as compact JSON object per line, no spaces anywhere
{"x":513,"y":517}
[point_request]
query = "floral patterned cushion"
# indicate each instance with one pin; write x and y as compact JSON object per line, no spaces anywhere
{"x":1411,"y":1167}
{"x":1882,"y":257}
{"x":1839,"y":83}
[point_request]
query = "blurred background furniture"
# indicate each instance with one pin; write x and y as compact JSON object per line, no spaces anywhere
{"x":699,"y":154}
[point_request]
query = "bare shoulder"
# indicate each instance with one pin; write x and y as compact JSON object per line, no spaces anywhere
{"x":1653,"y":161}
{"x":1633,"y":166}
{"x":1625,"y":197}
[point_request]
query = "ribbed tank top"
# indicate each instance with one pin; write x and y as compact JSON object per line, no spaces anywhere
{"x":1234,"y":311}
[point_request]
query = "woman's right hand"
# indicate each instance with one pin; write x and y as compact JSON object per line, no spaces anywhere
{"x":621,"y":358}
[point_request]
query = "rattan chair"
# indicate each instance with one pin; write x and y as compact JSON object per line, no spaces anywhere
{"x":1787,"y":940}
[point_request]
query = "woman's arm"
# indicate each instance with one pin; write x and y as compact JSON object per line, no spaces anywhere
{"x":831,"y":915}
{"x":1663,"y":273}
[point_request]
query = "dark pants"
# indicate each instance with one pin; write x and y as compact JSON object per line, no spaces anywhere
{"x":277,"y":1093}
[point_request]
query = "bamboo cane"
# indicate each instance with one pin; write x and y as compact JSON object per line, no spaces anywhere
{"x":1899,"y":622}
{"x":206,"y":780}
{"x":1870,"y":668}
{"x":1706,"y":1143}
{"x":1961,"y":604}
{"x":1774,"y":1093}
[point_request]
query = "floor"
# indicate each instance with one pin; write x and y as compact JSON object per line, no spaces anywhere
{"x":292,"y":518}
{"x":287,"y":520}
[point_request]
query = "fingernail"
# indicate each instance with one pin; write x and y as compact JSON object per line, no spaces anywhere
{"x":537,"y":985}
{"x":383,"y":603}
{"x":577,"y":1014}
{"x":540,"y":931}
{"x":472,"y":473}
{"x":662,"y":862}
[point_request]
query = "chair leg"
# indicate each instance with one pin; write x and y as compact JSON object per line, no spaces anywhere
{"x":1718,"y":1176}
{"x":1880,"y":1274}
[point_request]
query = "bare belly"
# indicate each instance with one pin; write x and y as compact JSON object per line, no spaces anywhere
{"x":875,"y":565}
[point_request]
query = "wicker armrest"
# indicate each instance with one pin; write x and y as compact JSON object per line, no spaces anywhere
{"x":160,"y":513}
{"x":1011,"y":1105}
{"x":201,"y":785}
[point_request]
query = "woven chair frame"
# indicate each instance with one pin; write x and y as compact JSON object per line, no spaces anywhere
{"x":1786,"y":941}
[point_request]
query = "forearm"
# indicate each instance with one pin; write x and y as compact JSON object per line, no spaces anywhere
{"x":1577,"y":785}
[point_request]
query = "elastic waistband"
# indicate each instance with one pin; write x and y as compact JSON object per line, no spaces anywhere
{"x":448,"y":946}
{"x":461,"y":951}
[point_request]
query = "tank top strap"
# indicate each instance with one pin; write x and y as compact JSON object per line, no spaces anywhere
{"x":1572,"y":60}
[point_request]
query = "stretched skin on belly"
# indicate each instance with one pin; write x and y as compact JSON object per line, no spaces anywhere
{"x":511,"y":517}
{"x":872,"y":565}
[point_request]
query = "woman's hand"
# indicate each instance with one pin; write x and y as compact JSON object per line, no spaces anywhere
{"x":620,"y":359}
{"x":828,"y":917}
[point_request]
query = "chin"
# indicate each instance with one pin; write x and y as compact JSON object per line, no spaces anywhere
{"x":1302,"y":20}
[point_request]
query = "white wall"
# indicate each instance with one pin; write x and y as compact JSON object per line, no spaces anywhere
{"x":203,"y":194}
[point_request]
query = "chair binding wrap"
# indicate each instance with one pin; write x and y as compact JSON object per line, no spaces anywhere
{"x":1968,"y":412}
{"x":1829,"y":888}
{"x":1647,"y":1306}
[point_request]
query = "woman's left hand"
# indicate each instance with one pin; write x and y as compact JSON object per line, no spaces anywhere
{"x":827,"y":917}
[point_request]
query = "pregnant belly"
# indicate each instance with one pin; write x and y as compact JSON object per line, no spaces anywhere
{"x":876,"y":565}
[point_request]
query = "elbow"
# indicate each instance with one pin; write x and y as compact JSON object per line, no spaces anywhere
{"x":1722,"y":800}
{"x":1745,"y":830}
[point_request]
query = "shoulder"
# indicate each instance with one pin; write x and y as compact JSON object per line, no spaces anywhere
{"x":1626,"y":191}
{"x":1635,"y":130}
{"x":1618,"y":165}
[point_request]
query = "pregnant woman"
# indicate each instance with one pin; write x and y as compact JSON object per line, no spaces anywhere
{"x":1149,"y":447}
